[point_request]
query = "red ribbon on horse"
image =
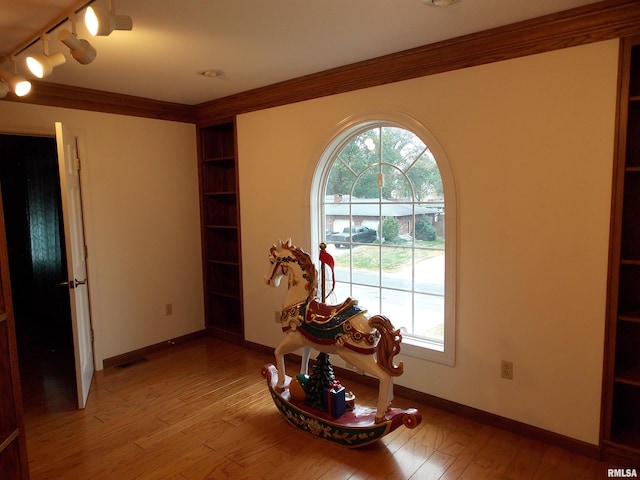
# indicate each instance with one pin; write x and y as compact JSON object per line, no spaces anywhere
{"x":327,"y":259}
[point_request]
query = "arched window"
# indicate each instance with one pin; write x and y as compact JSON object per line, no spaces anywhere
{"x":387,"y":214}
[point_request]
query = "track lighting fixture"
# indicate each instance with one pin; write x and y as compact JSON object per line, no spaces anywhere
{"x":439,"y":3}
{"x":81,"y":49}
{"x":99,"y":21}
{"x":16,"y":83}
{"x":43,"y":65}
{"x":4,"y":89}
{"x":102,"y":22}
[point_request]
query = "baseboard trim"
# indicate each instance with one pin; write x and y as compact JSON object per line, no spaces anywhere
{"x":480,"y":416}
{"x":257,"y":347}
{"x":520,"y":428}
{"x":141,"y":352}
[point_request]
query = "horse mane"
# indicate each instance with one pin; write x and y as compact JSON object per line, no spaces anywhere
{"x":309,"y":272}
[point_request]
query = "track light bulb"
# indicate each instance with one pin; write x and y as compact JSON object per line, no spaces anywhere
{"x":102,"y":22}
{"x":20,"y":86}
{"x":43,"y":65}
{"x":81,"y":49}
{"x":17,"y":83}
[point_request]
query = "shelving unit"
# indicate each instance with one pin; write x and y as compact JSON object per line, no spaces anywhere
{"x":220,"y":220}
{"x":621,"y":386}
{"x":13,"y":446}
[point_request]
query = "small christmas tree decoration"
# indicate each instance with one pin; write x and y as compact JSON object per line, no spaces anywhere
{"x":324,"y":392}
{"x":321,"y":377}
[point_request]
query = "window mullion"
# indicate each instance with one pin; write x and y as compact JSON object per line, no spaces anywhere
{"x":413,"y":263}
{"x":380,"y":247}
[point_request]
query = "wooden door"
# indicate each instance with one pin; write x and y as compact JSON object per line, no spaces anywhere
{"x":13,"y":448}
{"x":76,"y":260}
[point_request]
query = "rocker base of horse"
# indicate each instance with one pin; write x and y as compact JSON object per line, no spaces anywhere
{"x":355,"y":428}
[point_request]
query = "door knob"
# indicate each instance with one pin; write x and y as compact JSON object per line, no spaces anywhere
{"x":73,"y":283}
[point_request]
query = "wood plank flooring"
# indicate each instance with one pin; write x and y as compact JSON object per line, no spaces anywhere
{"x":201,"y":410}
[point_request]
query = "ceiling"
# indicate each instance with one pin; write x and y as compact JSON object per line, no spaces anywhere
{"x":253,"y":43}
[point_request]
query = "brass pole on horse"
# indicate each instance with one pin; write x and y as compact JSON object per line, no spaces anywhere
{"x":323,"y":287}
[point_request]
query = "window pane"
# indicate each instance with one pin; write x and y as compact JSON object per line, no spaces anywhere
{"x":365,"y":268}
{"x":400,"y":147}
{"x":425,"y":177}
{"x":429,"y":317}
{"x":340,"y":293}
{"x":342,"y":267}
{"x":360,"y":152}
{"x":368,"y":298}
{"x":397,"y":223}
{"x":397,"y":306}
{"x":397,"y":268}
{"x":429,"y":272}
{"x":366,"y":187}
{"x":395,"y":185}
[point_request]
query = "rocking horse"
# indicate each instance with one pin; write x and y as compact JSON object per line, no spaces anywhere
{"x":367,"y":342}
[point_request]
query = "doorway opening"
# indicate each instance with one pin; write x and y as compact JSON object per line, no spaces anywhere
{"x":31,"y":197}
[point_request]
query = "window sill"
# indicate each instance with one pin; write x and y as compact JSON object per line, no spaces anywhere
{"x":426,"y":350}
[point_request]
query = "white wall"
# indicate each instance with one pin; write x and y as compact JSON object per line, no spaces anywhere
{"x":140,"y":189}
{"x":530,"y":143}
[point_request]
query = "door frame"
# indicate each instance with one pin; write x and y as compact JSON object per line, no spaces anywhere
{"x":50,"y":131}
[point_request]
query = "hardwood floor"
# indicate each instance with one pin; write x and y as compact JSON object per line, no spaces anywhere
{"x":201,"y":410}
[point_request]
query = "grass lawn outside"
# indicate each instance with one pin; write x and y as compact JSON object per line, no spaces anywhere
{"x":392,"y":257}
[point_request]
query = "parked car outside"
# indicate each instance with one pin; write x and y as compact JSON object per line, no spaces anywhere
{"x":356,"y":234}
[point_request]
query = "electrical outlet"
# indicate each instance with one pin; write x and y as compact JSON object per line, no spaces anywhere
{"x":168,"y":309}
{"x":506,"y":369}
{"x":277,"y":315}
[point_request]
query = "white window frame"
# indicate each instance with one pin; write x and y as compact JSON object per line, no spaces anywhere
{"x":412,"y":346}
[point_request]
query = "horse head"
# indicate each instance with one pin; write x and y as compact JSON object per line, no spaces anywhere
{"x":277,"y":268}
{"x":289,"y":261}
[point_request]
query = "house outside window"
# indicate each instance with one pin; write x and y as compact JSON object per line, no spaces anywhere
{"x":387,"y":199}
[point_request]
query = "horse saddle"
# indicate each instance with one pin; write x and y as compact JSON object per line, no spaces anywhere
{"x":330,"y":324}
{"x":326,"y":317}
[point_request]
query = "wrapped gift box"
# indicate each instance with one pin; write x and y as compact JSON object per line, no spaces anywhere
{"x":335,"y":401}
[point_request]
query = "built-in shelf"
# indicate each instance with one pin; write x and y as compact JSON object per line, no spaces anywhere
{"x":631,"y":376}
{"x":220,"y":216}
{"x":621,"y":384}
{"x":629,"y":316}
{"x":13,"y":453}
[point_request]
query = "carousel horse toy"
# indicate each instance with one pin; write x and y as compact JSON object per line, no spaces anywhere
{"x":367,"y":342}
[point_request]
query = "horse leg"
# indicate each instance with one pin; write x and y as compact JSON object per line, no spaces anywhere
{"x":304,"y":366}
{"x":291,"y":342}
{"x":385,"y":394}
{"x":368,"y":364}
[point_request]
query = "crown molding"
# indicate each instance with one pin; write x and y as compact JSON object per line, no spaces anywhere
{"x":592,"y":23}
{"x":64,"y":96}
{"x":600,"y":21}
